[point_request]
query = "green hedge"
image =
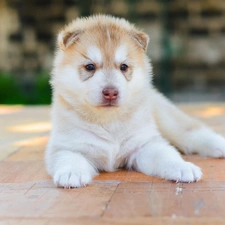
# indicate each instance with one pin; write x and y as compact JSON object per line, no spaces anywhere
{"x":25,"y":91}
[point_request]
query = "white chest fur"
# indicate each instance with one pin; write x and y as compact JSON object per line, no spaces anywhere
{"x":106,"y":147}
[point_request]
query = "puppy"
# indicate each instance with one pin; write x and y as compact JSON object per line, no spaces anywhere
{"x":106,"y":114}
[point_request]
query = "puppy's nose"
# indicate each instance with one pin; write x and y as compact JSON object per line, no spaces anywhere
{"x":110,"y":94}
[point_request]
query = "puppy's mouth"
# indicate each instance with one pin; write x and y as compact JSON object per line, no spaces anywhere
{"x":106,"y":104}
{"x":109,"y":104}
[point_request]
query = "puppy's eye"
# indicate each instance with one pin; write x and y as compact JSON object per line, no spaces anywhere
{"x":123,"y":67}
{"x":90,"y":67}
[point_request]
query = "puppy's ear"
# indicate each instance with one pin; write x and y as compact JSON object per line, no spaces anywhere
{"x":65,"y":39}
{"x":141,"y":38}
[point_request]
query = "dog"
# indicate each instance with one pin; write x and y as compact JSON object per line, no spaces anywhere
{"x":107,"y":115}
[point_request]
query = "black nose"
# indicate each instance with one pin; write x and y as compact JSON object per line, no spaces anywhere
{"x":110,"y":94}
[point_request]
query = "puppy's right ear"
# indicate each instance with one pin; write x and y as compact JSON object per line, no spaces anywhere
{"x":66,"y":39}
{"x":141,"y":38}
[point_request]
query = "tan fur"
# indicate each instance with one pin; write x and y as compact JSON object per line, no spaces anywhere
{"x":97,"y":32}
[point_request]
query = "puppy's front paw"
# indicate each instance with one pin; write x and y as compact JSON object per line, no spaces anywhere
{"x":183,"y":172}
{"x":72,"y":178}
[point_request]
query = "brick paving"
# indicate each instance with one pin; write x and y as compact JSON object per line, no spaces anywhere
{"x":28,"y":196}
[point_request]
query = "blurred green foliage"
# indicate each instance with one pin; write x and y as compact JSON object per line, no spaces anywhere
{"x":25,"y":91}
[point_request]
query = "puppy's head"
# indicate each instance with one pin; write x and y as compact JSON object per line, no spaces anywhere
{"x":101,"y":63}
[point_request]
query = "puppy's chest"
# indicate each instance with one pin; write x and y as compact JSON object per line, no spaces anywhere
{"x":111,"y":147}
{"x":114,"y":154}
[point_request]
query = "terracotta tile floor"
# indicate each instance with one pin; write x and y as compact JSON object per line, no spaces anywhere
{"x":28,"y":196}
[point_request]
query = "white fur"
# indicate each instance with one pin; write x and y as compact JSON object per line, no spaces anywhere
{"x":121,"y":54}
{"x":94,"y":54}
{"x":137,"y":133}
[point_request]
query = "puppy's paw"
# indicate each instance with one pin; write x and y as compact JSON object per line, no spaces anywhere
{"x":215,"y":146}
{"x":208,"y":143}
{"x":183,"y":172}
{"x":73,"y":178}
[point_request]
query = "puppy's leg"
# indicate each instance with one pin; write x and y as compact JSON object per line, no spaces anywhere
{"x":186,"y":133}
{"x":70,"y":169}
{"x":158,"y":158}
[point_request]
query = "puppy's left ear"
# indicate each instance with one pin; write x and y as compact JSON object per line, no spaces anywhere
{"x":66,"y":39}
{"x":141,"y":38}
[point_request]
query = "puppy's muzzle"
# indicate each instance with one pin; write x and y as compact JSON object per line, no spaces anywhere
{"x":110,"y":94}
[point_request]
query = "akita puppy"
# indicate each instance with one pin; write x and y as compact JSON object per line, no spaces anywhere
{"x":106,"y":114}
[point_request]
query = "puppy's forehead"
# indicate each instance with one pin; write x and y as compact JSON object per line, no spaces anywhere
{"x":120,"y":53}
{"x":94,"y":54}
{"x":99,"y":55}
{"x":106,"y":44}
